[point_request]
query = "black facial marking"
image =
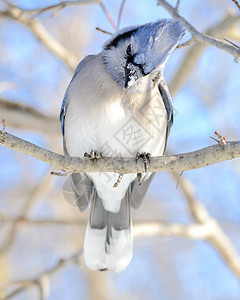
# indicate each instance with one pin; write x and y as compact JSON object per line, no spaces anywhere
{"x":130,"y":59}
{"x":129,"y":72}
{"x":118,"y":38}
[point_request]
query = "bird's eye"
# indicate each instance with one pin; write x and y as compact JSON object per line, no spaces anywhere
{"x":129,"y":50}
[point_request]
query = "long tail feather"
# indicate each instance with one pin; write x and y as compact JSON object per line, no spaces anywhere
{"x":108,"y":239}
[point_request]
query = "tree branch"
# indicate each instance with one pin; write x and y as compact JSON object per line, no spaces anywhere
{"x":191,"y":231}
{"x":60,"y":5}
{"x":196,"y":35}
{"x":215,"y":235}
{"x":27,"y":117}
{"x":140,"y":229}
{"x":42,"y":34}
{"x":41,"y":278}
{"x":120,"y":13}
{"x":146,"y":229}
{"x":227,"y":27}
{"x":40,"y":190}
{"x":187,"y":161}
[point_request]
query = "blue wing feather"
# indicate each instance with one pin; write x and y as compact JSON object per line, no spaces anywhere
{"x":65,"y":101}
{"x":167,"y":100}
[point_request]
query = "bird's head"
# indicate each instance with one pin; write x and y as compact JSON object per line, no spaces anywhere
{"x":138,"y":51}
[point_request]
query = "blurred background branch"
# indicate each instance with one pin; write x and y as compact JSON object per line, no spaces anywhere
{"x":26,"y":117}
{"x":196,"y":35}
{"x":215,"y":235}
{"x":16,"y":13}
{"x":229,"y":27}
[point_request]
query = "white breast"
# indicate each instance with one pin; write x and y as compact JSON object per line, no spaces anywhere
{"x":117,"y":127}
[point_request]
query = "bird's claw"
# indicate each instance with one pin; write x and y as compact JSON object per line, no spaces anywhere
{"x":139,"y":177}
{"x":93,"y":155}
{"x":146,"y":159}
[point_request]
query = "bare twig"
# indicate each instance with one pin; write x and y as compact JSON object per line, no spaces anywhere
{"x":109,"y":17}
{"x":187,"y":43}
{"x":177,"y":5}
{"x":196,"y":34}
{"x":222,"y":139}
{"x":180,"y":162}
{"x":23,"y":220}
{"x":103,"y":31}
{"x":120,"y":13}
{"x":232,"y":43}
{"x":61,"y":5}
{"x":237,"y":4}
{"x":4,"y":125}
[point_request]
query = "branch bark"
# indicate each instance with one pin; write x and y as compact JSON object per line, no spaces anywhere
{"x":186,"y":161}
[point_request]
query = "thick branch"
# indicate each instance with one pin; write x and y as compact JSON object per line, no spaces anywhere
{"x":186,"y":161}
{"x":197,"y":36}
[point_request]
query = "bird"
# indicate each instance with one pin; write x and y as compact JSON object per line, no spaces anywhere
{"x":117,"y":104}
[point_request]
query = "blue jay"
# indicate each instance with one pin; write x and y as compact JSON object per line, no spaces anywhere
{"x":118,"y":104}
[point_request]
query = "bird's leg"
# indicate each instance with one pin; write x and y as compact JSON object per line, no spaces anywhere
{"x":146,"y":159}
{"x":93,"y":155}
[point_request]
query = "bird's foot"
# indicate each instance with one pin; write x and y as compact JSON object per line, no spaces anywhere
{"x":146,"y":160}
{"x":93,"y":155}
{"x":139,"y":177}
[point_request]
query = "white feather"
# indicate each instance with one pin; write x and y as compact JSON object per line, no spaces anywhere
{"x":114,"y":256}
{"x":119,"y":252}
{"x":94,"y":248}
